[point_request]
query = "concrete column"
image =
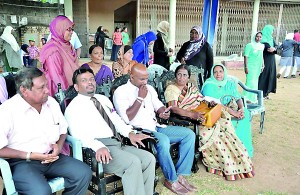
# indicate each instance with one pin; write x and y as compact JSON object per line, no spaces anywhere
{"x":68,"y":9}
{"x":172,"y":21}
{"x":80,"y":10}
{"x":255,"y":17}
{"x":279,"y":23}
{"x":138,"y":4}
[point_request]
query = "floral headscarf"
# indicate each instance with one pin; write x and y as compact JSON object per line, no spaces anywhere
{"x":195,"y":46}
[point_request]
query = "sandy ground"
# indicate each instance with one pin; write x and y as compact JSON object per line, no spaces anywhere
{"x":277,"y":150}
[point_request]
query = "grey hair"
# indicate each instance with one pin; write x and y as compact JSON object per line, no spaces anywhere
{"x":25,"y":76}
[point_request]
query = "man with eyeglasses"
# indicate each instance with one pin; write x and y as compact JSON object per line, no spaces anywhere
{"x":93,"y":120}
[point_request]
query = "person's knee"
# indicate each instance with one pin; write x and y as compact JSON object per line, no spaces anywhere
{"x":163,"y":143}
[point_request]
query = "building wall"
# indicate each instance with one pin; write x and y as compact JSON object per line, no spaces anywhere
{"x":101,"y":13}
{"x":38,"y":15}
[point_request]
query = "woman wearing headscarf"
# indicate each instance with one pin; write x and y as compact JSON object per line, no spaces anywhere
{"x":197,"y":52}
{"x":140,"y":47}
{"x":58,"y":57}
{"x":100,"y":37}
{"x":10,"y":51}
{"x":253,"y":64}
{"x":286,"y":60}
{"x":224,"y":88}
{"x":161,"y":49}
{"x":267,"y":79}
{"x":124,"y":62}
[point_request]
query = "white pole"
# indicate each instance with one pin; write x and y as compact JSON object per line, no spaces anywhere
{"x":172,"y":21}
{"x":255,"y":17}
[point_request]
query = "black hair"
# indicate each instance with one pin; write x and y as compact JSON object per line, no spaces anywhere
{"x":124,"y":27}
{"x":93,"y":47}
{"x":295,"y":31}
{"x":116,"y":29}
{"x":80,"y":71}
{"x":99,"y":28}
{"x":183,"y":66}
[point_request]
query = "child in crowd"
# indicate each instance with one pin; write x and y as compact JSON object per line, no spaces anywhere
{"x":34,"y":53}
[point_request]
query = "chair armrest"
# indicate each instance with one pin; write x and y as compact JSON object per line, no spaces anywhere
{"x":76,"y":147}
{"x":7,"y":177}
{"x":90,"y":159}
{"x":259,"y":93}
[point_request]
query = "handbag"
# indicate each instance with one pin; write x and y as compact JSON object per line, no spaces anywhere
{"x":212,"y":114}
{"x":231,"y":103}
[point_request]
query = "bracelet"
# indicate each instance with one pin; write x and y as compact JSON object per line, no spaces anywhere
{"x":28,"y":156}
{"x":139,"y":101}
{"x":227,"y":109}
{"x":140,"y":98}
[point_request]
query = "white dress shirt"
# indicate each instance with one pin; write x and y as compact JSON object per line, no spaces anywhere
{"x":124,"y":98}
{"x":87,"y":124}
{"x":23,"y":128}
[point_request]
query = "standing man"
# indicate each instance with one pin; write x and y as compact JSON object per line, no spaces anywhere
{"x":94,"y":121}
{"x":136,"y":102}
{"x":32,"y":133}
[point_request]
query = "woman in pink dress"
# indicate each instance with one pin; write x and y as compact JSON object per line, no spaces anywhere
{"x":117,"y":43}
{"x":58,"y":57}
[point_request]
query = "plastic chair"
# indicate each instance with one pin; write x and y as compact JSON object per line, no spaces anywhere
{"x":256,"y":108}
{"x":56,"y":184}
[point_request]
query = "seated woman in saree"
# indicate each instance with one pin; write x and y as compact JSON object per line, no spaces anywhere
{"x":102,"y":72}
{"x":124,"y":62}
{"x":224,"y":88}
{"x":223,"y":153}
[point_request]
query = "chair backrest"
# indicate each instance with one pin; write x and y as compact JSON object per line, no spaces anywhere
{"x":108,"y":44}
{"x":105,"y":88}
{"x":174,"y":66}
{"x":155,"y":69}
{"x":10,"y":83}
{"x":162,"y":82}
{"x":198,"y":75}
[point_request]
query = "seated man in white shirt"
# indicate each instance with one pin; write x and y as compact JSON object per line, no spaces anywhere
{"x":136,"y":102}
{"x":135,"y":166}
{"x":32,"y":133}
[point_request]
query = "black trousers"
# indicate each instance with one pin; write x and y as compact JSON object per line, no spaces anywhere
{"x":31,"y":177}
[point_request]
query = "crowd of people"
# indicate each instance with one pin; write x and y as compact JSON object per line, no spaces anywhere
{"x":34,"y":129}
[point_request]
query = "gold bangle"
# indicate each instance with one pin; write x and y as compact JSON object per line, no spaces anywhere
{"x":227,"y":109}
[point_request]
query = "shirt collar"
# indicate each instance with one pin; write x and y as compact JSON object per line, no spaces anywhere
{"x":25,"y":106}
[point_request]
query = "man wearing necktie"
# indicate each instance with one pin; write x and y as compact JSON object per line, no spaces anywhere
{"x":93,"y":119}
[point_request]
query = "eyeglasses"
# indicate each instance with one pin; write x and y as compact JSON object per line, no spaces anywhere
{"x":70,"y":29}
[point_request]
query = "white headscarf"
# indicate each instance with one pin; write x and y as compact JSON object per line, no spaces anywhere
{"x":289,"y":36}
{"x":163,"y":28}
{"x":10,"y":39}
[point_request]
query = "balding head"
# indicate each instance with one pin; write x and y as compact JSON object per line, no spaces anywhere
{"x":139,"y":75}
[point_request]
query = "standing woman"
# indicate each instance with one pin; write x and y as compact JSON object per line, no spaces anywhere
{"x":267,"y":79}
{"x":101,"y":71}
{"x":117,"y":43}
{"x":254,"y":64}
{"x":140,"y":47}
{"x":125,"y":36}
{"x":124,"y":62}
{"x":286,"y":60}
{"x":100,"y":37}
{"x":161,"y":49}
{"x":10,"y":51}
{"x":197,"y":52}
{"x":58,"y":58}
